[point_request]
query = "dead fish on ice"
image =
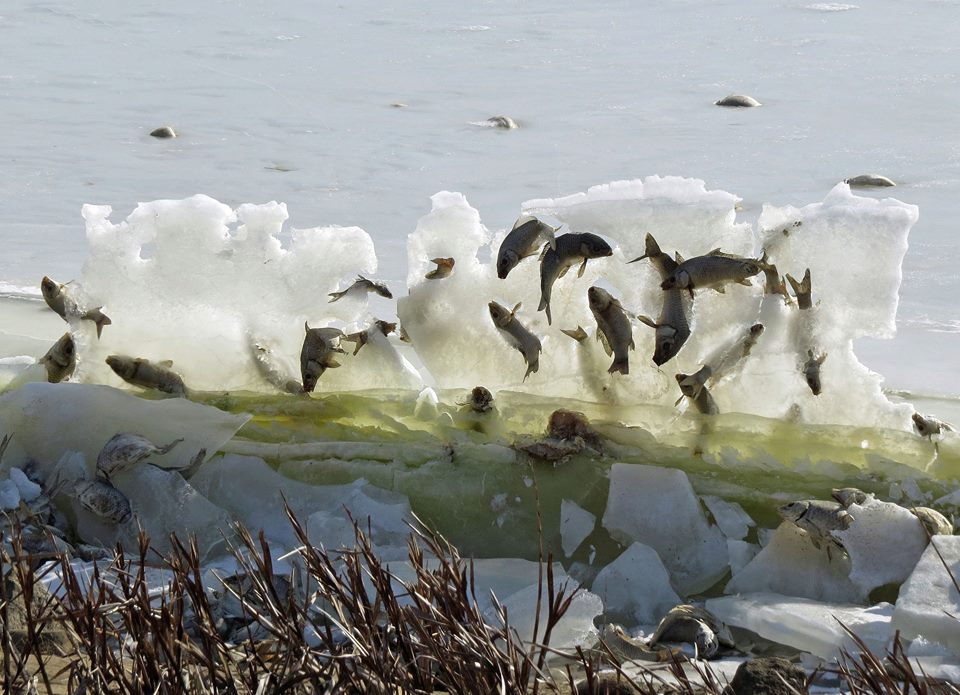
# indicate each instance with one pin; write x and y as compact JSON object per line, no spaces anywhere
{"x":516,"y":335}
{"x":318,"y":354}
{"x":570,"y":249}
{"x":847,"y":496}
{"x":819,"y":519}
{"x":125,"y":450}
{"x":672,"y":328}
{"x":803,"y":290}
{"x":361,"y":286}
{"x":694,"y":625}
{"x":773,"y":281}
{"x":61,"y":359}
{"x":524,"y":240}
{"x":55,"y":294}
{"x":715,"y":270}
{"x":811,"y":371}
{"x":361,"y":338}
{"x":146,"y":374}
{"x":935,"y":523}
{"x":613,"y":328}
{"x":103,"y":499}
{"x":444,"y":269}
{"x":810,"y":368}
{"x":869,"y":180}
{"x":571,"y":424}
{"x":272,"y":370}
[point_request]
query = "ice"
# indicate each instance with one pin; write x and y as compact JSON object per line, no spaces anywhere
{"x":48,"y":420}
{"x":576,"y":627}
{"x":576,"y":523}
{"x":741,"y":553}
{"x":9,"y":495}
{"x":657,"y":506}
{"x":635,"y":588}
{"x":29,"y":490}
{"x":929,"y":604}
{"x":805,"y":624}
{"x":790,"y":565}
{"x":884,"y":542}
{"x":730,"y":517}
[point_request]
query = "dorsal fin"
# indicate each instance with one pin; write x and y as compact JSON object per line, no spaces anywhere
{"x":516,"y":308}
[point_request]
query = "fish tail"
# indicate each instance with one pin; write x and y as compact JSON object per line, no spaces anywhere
{"x":336,"y":296}
{"x":169,"y":446}
{"x":532,"y":367}
{"x":802,"y":287}
{"x":621,"y":366}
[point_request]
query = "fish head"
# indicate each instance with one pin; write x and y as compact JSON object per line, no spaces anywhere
{"x":756,"y":329}
{"x":598,"y":298}
{"x":811,"y":372}
{"x":500,"y":314}
{"x":592,"y":246}
{"x":121,"y":365}
{"x":382,"y":290}
{"x":506,"y":261}
{"x":706,"y":642}
{"x":793,"y":511}
{"x":49,"y":288}
{"x":666,"y":345}
{"x":924,"y":426}
{"x":481,"y":400}
{"x":750,"y":267}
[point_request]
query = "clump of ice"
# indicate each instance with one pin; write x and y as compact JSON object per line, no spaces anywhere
{"x":29,"y":490}
{"x":730,"y":517}
{"x":929,"y":603}
{"x":635,"y":588}
{"x":657,"y":507}
{"x":9,"y":495}
{"x":576,"y":523}
{"x":576,"y":628}
{"x":804,"y":624}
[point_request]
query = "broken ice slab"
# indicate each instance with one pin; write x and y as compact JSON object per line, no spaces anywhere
{"x":790,"y":565}
{"x":730,"y":517}
{"x":576,"y":523}
{"x":47,"y":420}
{"x":884,"y":542}
{"x":805,"y":624}
{"x":657,"y":506}
{"x":741,"y":553}
{"x":929,"y":603}
{"x":576,"y":627}
{"x":635,"y":588}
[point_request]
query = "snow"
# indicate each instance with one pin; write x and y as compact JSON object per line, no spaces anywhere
{"x":635,"y":588}
{"x":929,"y":603}
{"x":657,"y":507}
{"x":576,"y":523}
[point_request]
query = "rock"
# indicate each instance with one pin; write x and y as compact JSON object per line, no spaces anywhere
{"x":869,"y":180}
{"x":576,"y":523}
{"x":768,"y":676}
{"x":635,"y":588}
{"x":657,"y":507}
{"x":929,"y":599}
{"x":738,"y":100}
{"x":606,"y":683}
{"x":163,"y":132}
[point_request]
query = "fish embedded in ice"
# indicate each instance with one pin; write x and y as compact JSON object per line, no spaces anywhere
{"x":715,"y":270}
{"x":125,"y":450}
{"x":360,"y":287}
{"x":61,"y":359}
{"x":444,"y":269}
{"x":361,"y":338}
{"x":318,"y":354}
{"x":55,"y":294}
{"x":517,"y":335}
{"x":103,"y":499}
{"x":146,"y":374}
{"x":818,"y":518}
{"x":570,"y":249}
{"x":613,"y":328}
{"x":524,"y":240}
{"x":672,"y":328}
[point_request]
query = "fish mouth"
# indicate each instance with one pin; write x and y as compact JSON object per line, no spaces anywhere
{"x":502,"y":273}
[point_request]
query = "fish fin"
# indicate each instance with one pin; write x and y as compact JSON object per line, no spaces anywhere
{"x":714,"y":252}
{"x":623,"y":367}
{"x":531,"y":367}
{"x":166,"y":363}
{"x":330,"y":362}
{"x":821,"y":358}
{"x":563,"y":271}
{"x":549,"y":318}
{"x":543,"y":251}
{"x":516,"y":308}
{"x":745,"y":281}
{"x":104,"y":320}
{"x":638,"y":258}
{"x":164,"y":449}
{"x":578,"y":334}
{"x":678,"y":401}
{"x":601,"y":336}
{"x":677,"y":257}
{"x":336,"y":296}
{"x":550,"y":234}
{"x":583,"y":267}
{"x":802,"y":287}
{"x":543,"y":303}
{"x":646,"y":320}
{"x":306,"y":326}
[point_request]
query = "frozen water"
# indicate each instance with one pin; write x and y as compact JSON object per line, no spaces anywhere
{"x":29,"y":490}
{"x":929,"y":604}
{"x":84,"y":417}
{"x":635,"y":588}
{"x":884,"y":542}
{"x":9,"y":494}
{"x":805,"y":624}
{"x":741,"y":553}
{"x":730,"y":517}
{"x":576,"y":627}
{"x":657,"y":506}
{"x":576,"y":523}
{"x":790,"y":565}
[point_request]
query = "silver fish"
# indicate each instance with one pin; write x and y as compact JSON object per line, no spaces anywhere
{"x":124,"y":450}
{"x":516,"y":335}
{"x":614,"y":329}
{"x":811,"y":371}
{"x":54,"y":293}
{"x":728,"y":358}
{"x":927,"y":426}
{"x":146,"y":374}
{"x":935,"y":523}
{"x":848,"y":495}
{"x":818,"y":518}
{"x":273,"y":370}
{"x":104,"y":500}
{"x":318,"y":354}
{"x":715,"y":270}
{"x":361,"y":338}
{"x":444,"y":268}
{"x":672,"y":328}
{"x":61,"y":359}
{"x":570,"y":249}
{"x":524,"y":240}
{"x":699,"y":395}
{"x":361,"y":286}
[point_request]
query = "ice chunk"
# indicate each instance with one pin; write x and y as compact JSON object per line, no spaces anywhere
{"x":741,"y":553}
{"x":576,"y":523}
{"x":730,"y":517}
{"x":805,"y":624}
{"x":29,"y":490}
{"x":885,"y":542}
{"x":635,"y":588}
{"x":790,"y":565}
{"x":9,"y":495}
{"x":575,"y":628}
{"x":657,"y":506}
{"x":50,"y":419}
{"x":929,"y":604}
{"x":426,"y":405}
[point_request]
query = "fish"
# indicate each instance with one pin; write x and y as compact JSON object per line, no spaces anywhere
{"x":516,"y":335}
{"x":846,"y":496}
{"x":614,"y":329}
{"x":570,"y":249}
{"x":773,"y":281}
{"x":146,"y":374}
{"x":697,"y":394}
{"x":672,"y":328}
{"x":818,"y":518}
{"x":480,"y":400}
{"x":927,"y":426}
{"x":935,"y":523}
{"x":577,"y":334}
{"x":318,"y":354}
{"x":444,"y":268}
{"x":811,"y":371}
{"x":61,"y":359}
{"x":715,"y":270}
{"x":725,"y":361}
{"x":56,"y":297}
{"x":361,"y":338}
{"x":802,"y":290}
{"x":524,"y":240}
{"x":273,"y":370}
{"x":361,"y":286}
{"x":125,"y":450}
{"x":103,"y":499}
